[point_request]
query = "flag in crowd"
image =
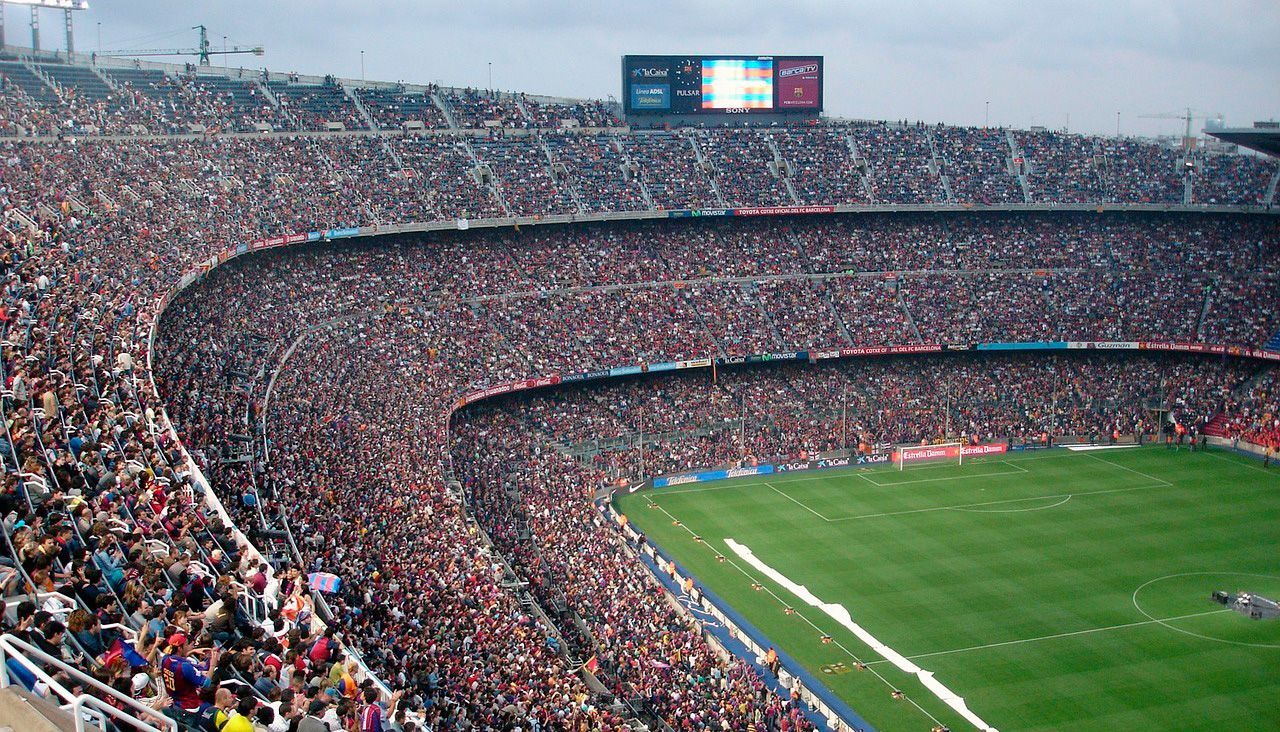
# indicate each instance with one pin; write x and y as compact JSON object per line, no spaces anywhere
{"x":324,"y":582}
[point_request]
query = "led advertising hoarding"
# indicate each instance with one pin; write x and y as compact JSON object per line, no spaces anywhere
{"x":721,"y":84}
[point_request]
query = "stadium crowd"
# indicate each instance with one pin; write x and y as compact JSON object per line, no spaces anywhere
{"x":425,"y":312}
{"x":790,"y":411}
{"x":118,"y":562}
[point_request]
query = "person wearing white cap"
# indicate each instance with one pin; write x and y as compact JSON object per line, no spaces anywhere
{"x":140,"y":685}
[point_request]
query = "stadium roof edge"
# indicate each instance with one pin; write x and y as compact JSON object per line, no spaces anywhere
{"x":1265,"y":140}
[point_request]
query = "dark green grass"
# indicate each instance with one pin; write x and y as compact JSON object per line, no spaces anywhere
{"x":937,"y":560}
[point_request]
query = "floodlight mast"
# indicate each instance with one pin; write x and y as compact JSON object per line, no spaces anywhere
{"x":66,"y":6}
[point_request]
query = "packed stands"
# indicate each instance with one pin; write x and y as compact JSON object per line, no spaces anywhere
{"x":1062,"y":168}
{"x":1143,"y":173}
{"x":1232,"y":179}
{"x":606,"y":179}
{"x":1252,"y":414}
{"x":977,"y":162}
{"x":589,"y":113}
{"x":315,"y":106}
{"x":900,"y":163}
{"x":473,"y":108}
{"x":525,"y":175}
{"x":670,"y":170}
{"x":795,"y":410}
{"x":744,"y":167}
{"x":443,"y":174}
{"x":392,"y":108}
{"x":463,"y":599}
{"x":823,"y":170}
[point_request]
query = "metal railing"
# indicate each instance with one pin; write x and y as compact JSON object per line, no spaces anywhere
{"x":83,"y":707}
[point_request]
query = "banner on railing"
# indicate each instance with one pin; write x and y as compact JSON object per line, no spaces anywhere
{"x":763,"y":358}
{"x":783,"y":210}
{"x":795,"y":466}
{"x":885,"y":350}
{"x":507,"y":388}
{"x":951,"y":451}
{"x":994,"y":448}
{"x":710,"y":475}
{"x":1103,"y":345}
{"x":699,"y":212}
{"x":750,"y":211}
{"x":1176,"y":347}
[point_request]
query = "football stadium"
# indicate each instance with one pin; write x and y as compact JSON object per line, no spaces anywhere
{"x":334,"y":404}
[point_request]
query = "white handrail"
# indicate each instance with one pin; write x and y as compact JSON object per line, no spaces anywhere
{"x":24,"y":652}
{"x":88,"y":704}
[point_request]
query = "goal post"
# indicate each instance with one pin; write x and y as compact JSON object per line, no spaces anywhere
{"x":942,"y":451}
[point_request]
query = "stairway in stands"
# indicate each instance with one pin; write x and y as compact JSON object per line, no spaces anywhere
{"x":1217,"y":427}
{"x":1273,"y":343}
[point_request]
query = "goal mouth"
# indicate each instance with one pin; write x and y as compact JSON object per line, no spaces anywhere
{"x":941,"y":452}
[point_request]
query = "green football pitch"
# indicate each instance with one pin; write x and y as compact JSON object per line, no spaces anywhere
{"x":1052,"y":590}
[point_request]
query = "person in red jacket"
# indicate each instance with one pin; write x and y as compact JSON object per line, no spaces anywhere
{"x":322,"y":650}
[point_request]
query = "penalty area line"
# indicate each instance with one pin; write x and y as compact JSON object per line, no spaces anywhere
{"x":997,"y":503}
{"x":798,"y":503}
{"x":1148,"y":476}
{"x":892,"y":483}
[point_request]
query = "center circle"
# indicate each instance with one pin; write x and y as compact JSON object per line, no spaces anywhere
{"x":1271,"y":589}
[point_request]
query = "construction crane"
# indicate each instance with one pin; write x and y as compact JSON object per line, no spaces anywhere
{"x":204,"y":51}
{"x":1187,"y":116}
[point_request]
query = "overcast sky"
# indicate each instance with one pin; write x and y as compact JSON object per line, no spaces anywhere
{"x":1073,"y":62}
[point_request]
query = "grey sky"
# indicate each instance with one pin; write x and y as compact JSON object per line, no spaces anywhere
{"x":1036,"y":62}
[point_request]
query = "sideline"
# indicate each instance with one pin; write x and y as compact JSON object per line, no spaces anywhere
{"x":841,"y":615}
{"x":766,"y":589}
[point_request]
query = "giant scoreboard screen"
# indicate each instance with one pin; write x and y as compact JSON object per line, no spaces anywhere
{"x":721,"y":84}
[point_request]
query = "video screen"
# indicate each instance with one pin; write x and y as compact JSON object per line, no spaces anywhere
{"x":737,"y":84}
{"x":721,"y":84}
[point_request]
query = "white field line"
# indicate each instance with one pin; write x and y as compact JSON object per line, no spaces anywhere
{"x":892,"y":483}
{"x":1063,"y":635}
{"x":1216,"y":454}
{"x":837,"y":474}
{"x":840,"y":614}
{"x":1016,"y":510}
{"x":765,"y":588}
{"x":1138,"y":606}
{"x":995,"y":503}
{"x":844,"y":472}
{"x":798,"y":503}
{"x":1091,"y":456}
{"x":1015,"y":466}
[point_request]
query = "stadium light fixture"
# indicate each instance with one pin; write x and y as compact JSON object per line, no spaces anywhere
{"x":57,"y":4}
